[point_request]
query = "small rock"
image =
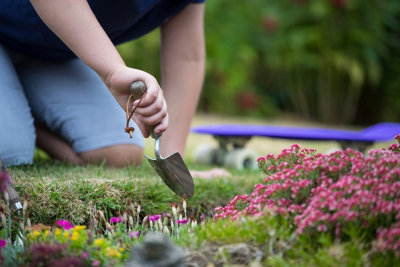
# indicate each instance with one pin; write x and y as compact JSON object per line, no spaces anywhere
{"x":155,"y":251}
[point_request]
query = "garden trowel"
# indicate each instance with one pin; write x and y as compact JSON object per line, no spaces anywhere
{"x":172,"y":169}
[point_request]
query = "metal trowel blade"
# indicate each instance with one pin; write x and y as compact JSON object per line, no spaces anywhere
{"x":174,"y":173}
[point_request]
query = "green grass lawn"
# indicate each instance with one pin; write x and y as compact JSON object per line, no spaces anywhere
{"x":58,"y":191}
{"x":54,"y":191}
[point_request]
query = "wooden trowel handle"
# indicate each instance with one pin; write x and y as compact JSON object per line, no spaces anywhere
{"x":138,"y":88}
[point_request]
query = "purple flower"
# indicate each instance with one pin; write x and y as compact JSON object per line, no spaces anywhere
{"x":134,"y":234}
{"x":85,"y":255}
{"x":4,"y":179}
{"x":182,"y":221}
{"x":115,"y":220}
{"x":3,"y":243}
{"x":42,"y":251}
{"x":202,"y":217}
{"x":154,"y":218}
{"x":95,"y":263}
{"x":66,"y":225}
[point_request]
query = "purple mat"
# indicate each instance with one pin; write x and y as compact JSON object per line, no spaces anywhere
{"x":385,"y":131}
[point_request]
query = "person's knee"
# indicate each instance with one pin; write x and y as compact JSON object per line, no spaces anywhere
{"x":117,"y":156}
{"x":18,"y":148}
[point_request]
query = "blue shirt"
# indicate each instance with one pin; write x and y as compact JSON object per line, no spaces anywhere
{"x":22,"y":30}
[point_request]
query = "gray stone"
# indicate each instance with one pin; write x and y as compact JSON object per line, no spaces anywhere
{"x":157,"y":250}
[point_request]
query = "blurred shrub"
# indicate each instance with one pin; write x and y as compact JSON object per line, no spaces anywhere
{"x":329,"y":51}
{"x":231,"y":59}
{"x":328,"y":60}
{"x":143,"y":53}
{"x":324,"y":54}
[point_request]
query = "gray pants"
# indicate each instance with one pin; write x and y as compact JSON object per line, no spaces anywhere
{"x":68,"y":98}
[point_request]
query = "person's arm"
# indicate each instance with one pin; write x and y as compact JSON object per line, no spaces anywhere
{"x":183,"y":63}
{"x":75,"y":24}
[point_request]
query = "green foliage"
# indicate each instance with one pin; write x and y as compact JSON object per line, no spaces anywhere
{"x":55,"y":190}
{"x":292,"y":239}
{"x":326,"y":52}
{"x":53,"y":187}
{"x":329,"y":60}
{"x":325,"y":252}
{"x":259,"y":231}
{"x":143,"y":53}
{"x":232,"y":59}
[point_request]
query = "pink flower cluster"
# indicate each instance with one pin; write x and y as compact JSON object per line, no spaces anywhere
{"x":389,"y":238}
{"x":154,"y":218}
{"x":66,"y":225}
{"x":115,"y":220}
{"x":134,"y":234}
{"x":328,"y":192}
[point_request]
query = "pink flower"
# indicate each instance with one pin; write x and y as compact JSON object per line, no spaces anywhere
{"x":261,"y":162}
{"x":322,"y":228}
{"x":184,"y":221}
{"x":261,"y":159}
{"x":134,"y":234}
{"x":66,"y":225}
{"x":295,"y":147}
{"x":320,"y":192}
{"x":154,"y":218}
{"x":96,"y":263}
{"x":3,"y":243}
{"x":115,"y":220}
{"x":4,"y":179}
{"x":85,"y":255}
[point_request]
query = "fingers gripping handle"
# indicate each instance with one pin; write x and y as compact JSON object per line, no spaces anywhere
{"x":138,"y":88}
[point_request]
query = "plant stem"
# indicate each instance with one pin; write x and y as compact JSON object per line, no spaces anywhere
{"x":9,"y":216}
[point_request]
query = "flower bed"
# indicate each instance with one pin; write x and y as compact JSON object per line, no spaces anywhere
{"x":310,"y":205}
{"x":332,"y":194}
{"x":105,"y":242}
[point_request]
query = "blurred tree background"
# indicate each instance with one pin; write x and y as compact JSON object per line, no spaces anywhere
{"x":331,"y":61}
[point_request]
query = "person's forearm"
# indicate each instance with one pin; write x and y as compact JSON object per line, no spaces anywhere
{"x":75,"y":24}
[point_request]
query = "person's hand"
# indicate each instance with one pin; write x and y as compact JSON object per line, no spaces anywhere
{"x":152,"y":110}
{"x":76,"y":25}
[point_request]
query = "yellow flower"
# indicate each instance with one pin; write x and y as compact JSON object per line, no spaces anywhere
{"x":57,"y":232}
{"x":75,"y":236}
{"x":121,"y":249}
{"x":34,"y":234}
{"x":66,"y":234}
{"x":46,"y":233}
{"x":80,"y":227}
{"x":99,"y":242}
{"x":112,"y":252}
